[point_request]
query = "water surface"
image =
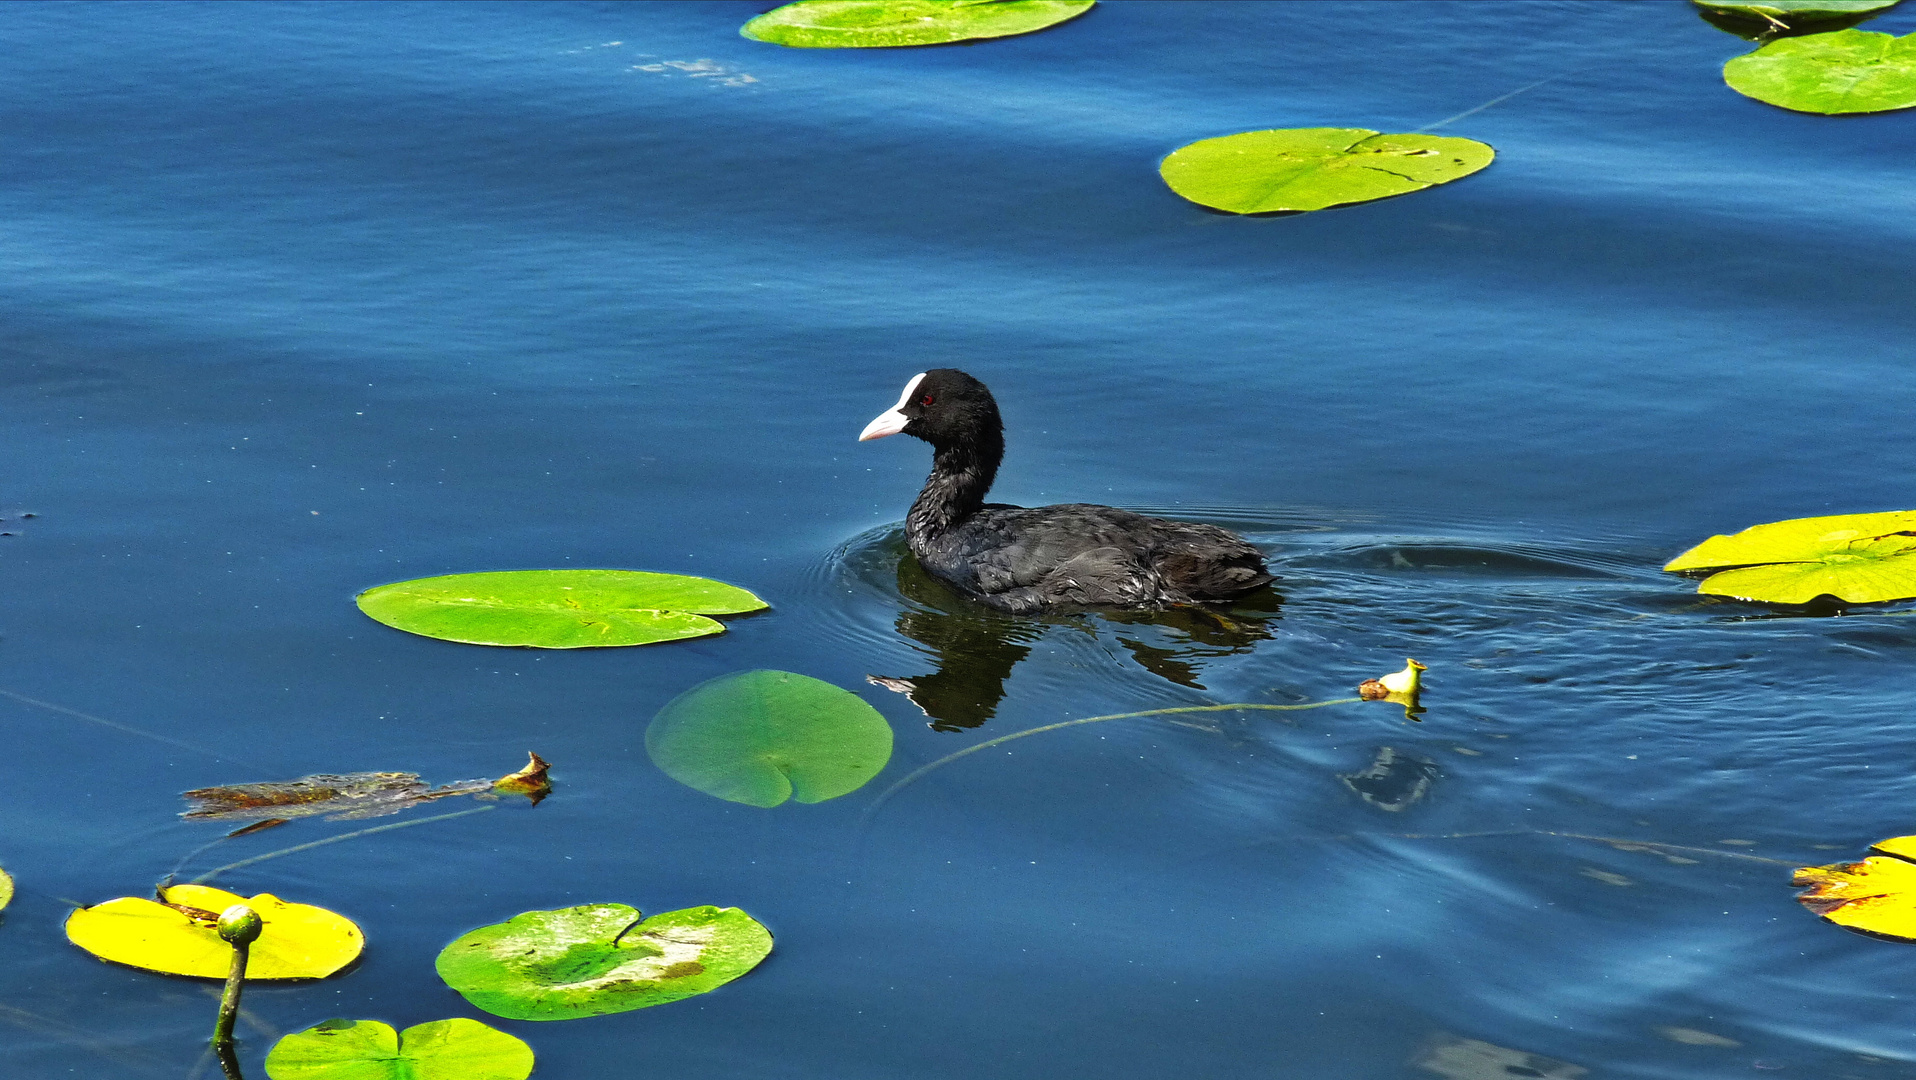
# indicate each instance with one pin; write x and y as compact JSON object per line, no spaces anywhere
{"x":306,"y":298}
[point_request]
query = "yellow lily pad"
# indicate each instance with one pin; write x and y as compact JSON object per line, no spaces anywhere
{"x":298,"y":941}
{"x":1857,"y":558}
{"x":1876,"y":896}
{"x":6,"y":890}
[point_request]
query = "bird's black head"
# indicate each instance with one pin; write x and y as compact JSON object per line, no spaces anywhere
{"x":944,"y":407}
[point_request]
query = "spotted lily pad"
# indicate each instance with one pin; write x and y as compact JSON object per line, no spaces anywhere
{"x":1858,"y":558}
{"x":600,"y":958}
{"x":1876,"y":896}
{"x":1258,"y":172}
{"x":298,"y":941}
{"x":558,"y":609}
{"x":1849,"y":71}
{"x":456,"y":1049}
{"x":762,"y":737}
{"x":878,"y":24}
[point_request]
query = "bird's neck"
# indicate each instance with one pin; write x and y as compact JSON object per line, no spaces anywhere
{"x":961,"y":474}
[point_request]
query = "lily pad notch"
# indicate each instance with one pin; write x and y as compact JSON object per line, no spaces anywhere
{"x":1300,"y":169}
{"x":890,"y":24}
{"x":558,"y":609}
{"x":1854,"y":558}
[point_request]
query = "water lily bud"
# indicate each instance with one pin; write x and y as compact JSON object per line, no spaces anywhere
{"x":1406,"y":681}
{"x":240,"y":925}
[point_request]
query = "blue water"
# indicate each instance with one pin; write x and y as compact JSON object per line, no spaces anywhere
{"x":304,"y":298}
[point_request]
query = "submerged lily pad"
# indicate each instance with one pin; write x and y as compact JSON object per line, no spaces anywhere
{"x":1849,"y":71}
{"x":456,"y":1049}
{"x":1858,"y":558}
{"x":1258,"y":172}
{"x":600,"y":958}
{"x":880,"y":24}
{"x":762,"y":737}
{"x":1876,"y":896}
{"x":558,"y":609}
{"x":177,"y":937}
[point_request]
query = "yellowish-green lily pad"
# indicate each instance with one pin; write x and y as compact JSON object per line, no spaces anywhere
{"x":886,"y":24}
{"x":177,"y":937}
{"x":456,"y":1049}
{"x":1857,"y":558}
{"x":6,"y":890}
{"x":1849,"y":71}
{"x":1260,"y":172}
{"x":1876,"y":896}
{"x":558,"y":609}
{"x":600,"y":958}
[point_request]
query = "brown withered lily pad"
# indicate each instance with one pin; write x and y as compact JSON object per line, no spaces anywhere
{"x":350,"y":796}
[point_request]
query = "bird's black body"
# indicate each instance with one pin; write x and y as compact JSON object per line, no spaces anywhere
{"x":1025,"y":560}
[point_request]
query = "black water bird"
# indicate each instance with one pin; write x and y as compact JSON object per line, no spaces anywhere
{"x":1074,"y":555}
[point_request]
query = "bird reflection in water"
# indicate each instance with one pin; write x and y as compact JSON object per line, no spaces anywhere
{"x":975,"y":648}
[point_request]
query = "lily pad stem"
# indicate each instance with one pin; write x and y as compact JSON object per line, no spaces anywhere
{"x":239,"y":926}
{"x":885,"y":796}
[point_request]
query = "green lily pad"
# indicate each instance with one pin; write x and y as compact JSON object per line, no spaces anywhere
{"x":1796,"y":12}
{"x":6,"y":890}
{"x":762,"y":737}
{"x":884,"y":24}
{"x":1849,"y":71}
{"x":558,"y":609}
{"x":1258,"y":172}
{"x":1858,"y":558}
{"x":456,"y":1049}
{"x":600,"y":958}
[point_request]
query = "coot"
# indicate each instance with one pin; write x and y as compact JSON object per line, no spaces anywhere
{"x":1047,"y":557}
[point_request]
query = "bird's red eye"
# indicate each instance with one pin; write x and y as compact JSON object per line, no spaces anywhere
{"x":926,"y":401}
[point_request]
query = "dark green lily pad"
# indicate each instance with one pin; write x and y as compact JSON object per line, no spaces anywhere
{"x":599,"y":958}
{"x":558,"y":609}
{"x":1858,"y":558}
{"x":457,"y":1049}
{"x":883,"y":24}
{"x":762,"y":737}
{"x":1258,"y":172}
{"x":1849,"y":71}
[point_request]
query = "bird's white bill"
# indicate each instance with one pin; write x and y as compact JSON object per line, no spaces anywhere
{"x":892,"y":420}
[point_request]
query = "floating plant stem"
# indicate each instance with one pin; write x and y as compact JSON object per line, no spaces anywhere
{"x":886,"y":795}
{"x":296,"y":848}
